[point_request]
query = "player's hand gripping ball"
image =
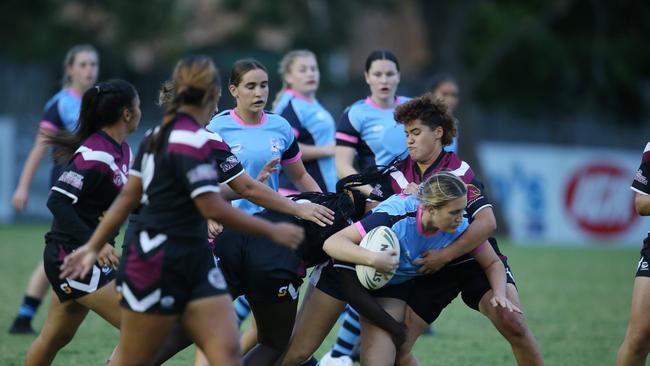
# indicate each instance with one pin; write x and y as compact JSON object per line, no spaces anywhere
{"x":379,"y":239}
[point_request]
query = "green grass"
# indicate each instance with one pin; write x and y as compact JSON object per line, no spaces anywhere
{"x":576,"y":301}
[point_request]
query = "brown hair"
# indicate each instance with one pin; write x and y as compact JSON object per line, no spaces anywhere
{"x":241,"y":67}
{"x":193,"y":80}
{"x":431,"y":112}
{"x":101,"y":106}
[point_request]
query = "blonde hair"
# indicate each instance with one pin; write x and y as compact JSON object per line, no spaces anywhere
{"x":284,"y":67}
{"x":192,"y":82}
{"x":440,"y":189}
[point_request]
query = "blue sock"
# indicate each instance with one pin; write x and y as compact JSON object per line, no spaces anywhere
{"x":348,"y":334}
{"x":312,"y":361}
{"x":28,"y":307}
{"x":242,"y":308}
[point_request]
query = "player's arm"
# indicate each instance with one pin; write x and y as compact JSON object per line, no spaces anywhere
{"x":479,"y":230}
{"x":298,"y":175}
{"x":314,"y":152}
{"x":21,"y":193}
{"x":212,"y":206}
{"x":345,"y":166}
{"x":262,"y":195}
{"x":495,"y":271}
{"x":344,"y":246}
{"x":642,"y":204}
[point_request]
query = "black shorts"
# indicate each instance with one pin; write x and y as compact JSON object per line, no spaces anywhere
{"x":432,"y":293}
{"x":163,"y":274}
{"x":68,"y":289}
{"x":643,"y":268}
{"x":130,"y":231}
{"x":325,"y":277}
{"x":254,"y":266}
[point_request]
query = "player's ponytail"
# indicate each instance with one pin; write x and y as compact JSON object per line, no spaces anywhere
{"x":101,"y":106}
{"x":192,"y":83}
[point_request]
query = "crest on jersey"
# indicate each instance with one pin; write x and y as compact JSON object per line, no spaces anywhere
{"x":275,"y":145}
{"x":473,"y":192}
{"x":230,"y":163}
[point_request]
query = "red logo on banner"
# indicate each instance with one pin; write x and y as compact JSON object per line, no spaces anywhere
{"x":598,"y":198}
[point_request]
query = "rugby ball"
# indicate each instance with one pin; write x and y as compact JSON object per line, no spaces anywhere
{"x":379,"y":239}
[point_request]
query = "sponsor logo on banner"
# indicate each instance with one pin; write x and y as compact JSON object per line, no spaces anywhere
{"x":598,"y":199}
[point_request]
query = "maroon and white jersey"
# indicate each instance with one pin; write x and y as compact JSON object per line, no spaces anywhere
{"x":184,"y":166}
{"x":640,"y":183}
{"x":407,"y":171}
{"x":92,"y":179}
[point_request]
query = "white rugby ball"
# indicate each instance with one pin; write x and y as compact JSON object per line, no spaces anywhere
{"x":379,"y":239}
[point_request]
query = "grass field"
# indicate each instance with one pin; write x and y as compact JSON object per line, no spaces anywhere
{"x":576,"y":301}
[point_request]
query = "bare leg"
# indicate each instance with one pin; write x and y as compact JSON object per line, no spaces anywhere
{"x":141,"y":336}
{"x":211,"y":323}
{"x":377,"y":347}
{"x":62,"y":322}
{"x":317,"y":316}
{"x":415,"y":326}
{"x":248,"y":340}
{"x":38,"y":283}
{"x":635,"y":347}
{"x":513,"y":327}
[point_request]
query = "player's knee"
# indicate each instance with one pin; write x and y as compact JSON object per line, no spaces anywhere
{"x":512,"y":325}
{"x":296,"y":356}
{"x":57,"y":341}
{"x":639,"y":339}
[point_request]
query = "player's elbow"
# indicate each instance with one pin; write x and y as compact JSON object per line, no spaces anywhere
{"x":642,"y":204}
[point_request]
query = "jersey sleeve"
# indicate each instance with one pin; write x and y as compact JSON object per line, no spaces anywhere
{"x":640,"y":183}
{"x":81,"y":177}
{"x":51,"y":121}
{"x":289,"y":113}
{"x":346,"y":134}
{"x":476,"y":198}
{"x":292,"y":154}
{"x":136,"y":167}
{"x":375,"y":219}
{"x":383,"y":188}
{"x":194,"y":162}
{"x":228,"y":165}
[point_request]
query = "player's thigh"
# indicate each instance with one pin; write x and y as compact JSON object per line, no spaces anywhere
{"x":639,"y":326}
{"x":211,"y":318}
{"x":377,"y":347}
{"x":319,"y":312}
{"x":105,"y":302}
{"x":141,"y":336}
{"x":63,"y":320}
{"x":415,"y":326}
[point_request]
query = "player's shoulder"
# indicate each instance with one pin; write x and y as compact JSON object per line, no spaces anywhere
{"x":398,"y":205}
{"x":646,"y":153}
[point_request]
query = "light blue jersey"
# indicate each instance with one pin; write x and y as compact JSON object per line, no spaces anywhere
{"x":256,"y":145}
{"x":312,"y":125}
{"x":402,"y":213}
{"x":62,"y":111}
{"x":373,"y":132}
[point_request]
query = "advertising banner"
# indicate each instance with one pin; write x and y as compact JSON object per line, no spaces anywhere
{"x":565,"y":195}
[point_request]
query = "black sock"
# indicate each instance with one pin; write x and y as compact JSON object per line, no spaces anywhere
{"x":28,"y":307}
